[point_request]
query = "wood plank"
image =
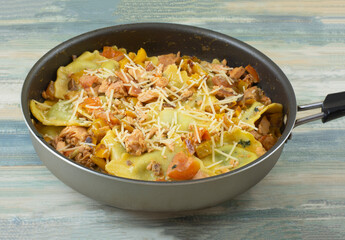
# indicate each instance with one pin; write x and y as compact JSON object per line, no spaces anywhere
{"x":16,"y":147}
{"x":301,"y":198}
{"x":283,"y":205}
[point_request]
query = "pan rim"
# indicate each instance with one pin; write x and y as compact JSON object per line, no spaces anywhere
{"x":197,"y":30}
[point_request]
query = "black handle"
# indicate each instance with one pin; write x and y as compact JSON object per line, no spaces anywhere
{"x":334,"y":106}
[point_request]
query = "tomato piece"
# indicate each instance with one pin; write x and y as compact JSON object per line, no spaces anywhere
{"x":110,"y":52}
{"x":92,"y":102}
{"x":183,"y":167}
{"x":109,"y":118}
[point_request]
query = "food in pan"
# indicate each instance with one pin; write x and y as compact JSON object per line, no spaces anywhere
{"x":160,"y":118}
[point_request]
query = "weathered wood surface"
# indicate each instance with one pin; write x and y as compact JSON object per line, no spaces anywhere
{"x":303,"y":197}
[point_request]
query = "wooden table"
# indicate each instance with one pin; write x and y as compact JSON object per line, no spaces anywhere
{"x":303,"y":197}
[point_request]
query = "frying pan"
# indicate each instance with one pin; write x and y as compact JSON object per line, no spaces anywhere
{"x":162,"y":38}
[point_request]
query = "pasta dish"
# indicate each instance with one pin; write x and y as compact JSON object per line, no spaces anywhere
{"x":160,"y":118}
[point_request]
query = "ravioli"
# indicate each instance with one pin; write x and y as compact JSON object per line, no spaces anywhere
{"x":59,"y":114}
{"x":85,"y":61}
{"x":257,"y":109}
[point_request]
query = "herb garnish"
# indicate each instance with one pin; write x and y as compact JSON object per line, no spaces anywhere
{"x":244,"y":143}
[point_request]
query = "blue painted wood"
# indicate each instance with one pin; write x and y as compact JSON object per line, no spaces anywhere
{"x":16,"y":148}
{"x":301,"y":198}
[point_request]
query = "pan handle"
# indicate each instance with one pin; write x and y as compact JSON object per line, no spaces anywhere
{"x":331,"y":108}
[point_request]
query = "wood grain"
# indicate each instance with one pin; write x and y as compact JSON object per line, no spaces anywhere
{"x":301,"y":198}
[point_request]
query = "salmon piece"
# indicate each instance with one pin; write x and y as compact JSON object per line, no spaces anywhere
{"x":155,"y":168}
{"x":186,"y":94}
{"x":221,"y":81}
{"x":124,"y":78}
{"x":152,"y":132}
{"x":168,"y":59}
{"x":104,"y":86}
{"x":149,"y":66}
{"x":72,"y":135}
{"x":224,"y":92}
{"x":147,"y":96}
{"x":60,"y":145}
{"x":111,"y":53}
{"x":215,"y":67}
{"x":135,"y":143}
{"x":87,"y":81}
{"x":119,"y":90}
{"x":265,"y":100}
{"x":159,"y":71}
{"x":237,"y":72}
{"x":160,"y":81}
{"x":256,"y":94}
{"x":251,"y":93}
{"x":264,"y":126}
{"x":256,"y":135}
{"x":83,"y":156}
{"x":137,"y":74}
{"x":249,"y":80}
{"x":134,"y":91}
{"x":268,"y":141}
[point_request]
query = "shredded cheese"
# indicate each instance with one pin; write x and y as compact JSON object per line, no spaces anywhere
{"x":76,"y":105}
{"x":179,"y":71}
{"x":214,"y":164}
{"x":197,"y":132}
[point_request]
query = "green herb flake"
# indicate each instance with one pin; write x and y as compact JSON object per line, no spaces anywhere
{"x":244,"y":143}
